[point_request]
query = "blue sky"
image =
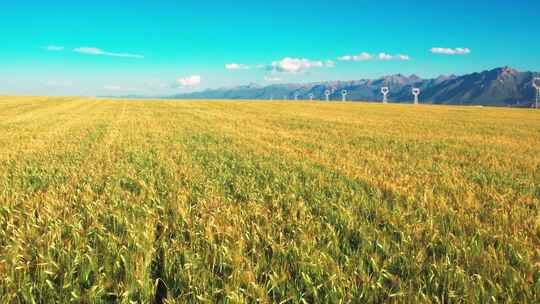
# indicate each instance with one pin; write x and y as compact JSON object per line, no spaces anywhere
{"x":165,"y":47}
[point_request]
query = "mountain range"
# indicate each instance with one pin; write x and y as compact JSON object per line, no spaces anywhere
{"x":498,"y":87}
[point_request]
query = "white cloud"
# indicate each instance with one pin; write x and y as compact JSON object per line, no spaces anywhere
{"x":450,"y":51}
{"x":236,"y":66}
{"x":54,"y":48}
{"x":297,"y":65}
{"x":403,"y":57}
{"x":360,"y":57}
{"x":386,"y":57}
{"x":287,"y":65}
{"x":367,"y":57}
{"x":89,"y":50}
{"x":190,"y":81}
{"x":100,"y":52}
{"x":272,"y":78}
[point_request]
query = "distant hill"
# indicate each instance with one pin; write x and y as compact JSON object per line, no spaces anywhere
{"x":498,"y":87}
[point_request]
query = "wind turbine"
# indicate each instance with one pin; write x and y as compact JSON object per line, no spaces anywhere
{"x":344,"y":94}
{"x":536,"y":85}
{"x":416,"y":93}
{"x":385,"y":91}
{"x":327,"y":94}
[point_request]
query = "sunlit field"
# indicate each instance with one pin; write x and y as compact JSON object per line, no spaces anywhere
{"x":106,"y":201}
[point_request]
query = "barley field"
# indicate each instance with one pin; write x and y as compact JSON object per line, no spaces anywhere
{"x":154,"y":201}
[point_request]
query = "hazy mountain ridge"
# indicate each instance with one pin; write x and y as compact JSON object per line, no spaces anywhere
{"x":501,"y":87}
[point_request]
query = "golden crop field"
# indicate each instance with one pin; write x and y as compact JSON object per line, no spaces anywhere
{"x":153,"y":201}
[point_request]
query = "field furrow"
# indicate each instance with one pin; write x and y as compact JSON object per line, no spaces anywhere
{"x":105,"y":201}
